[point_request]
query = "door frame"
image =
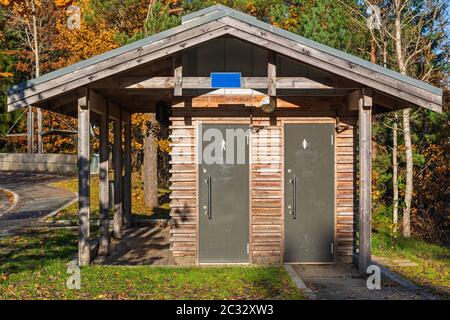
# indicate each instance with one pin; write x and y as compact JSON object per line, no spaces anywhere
{"x":230,"y":121}
{"x":318,"y":120}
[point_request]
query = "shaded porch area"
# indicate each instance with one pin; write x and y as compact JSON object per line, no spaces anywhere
{"x":140,"y":245}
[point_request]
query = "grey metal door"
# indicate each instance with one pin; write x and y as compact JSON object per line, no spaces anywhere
{"x":309,"y":192}
{"x":224,"y":194}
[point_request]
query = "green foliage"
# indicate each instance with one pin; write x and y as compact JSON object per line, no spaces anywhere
{"x":334,"y":23}
{"x":433,"y":261}
{"x":160,"y":19}
{"x":329,"y":22}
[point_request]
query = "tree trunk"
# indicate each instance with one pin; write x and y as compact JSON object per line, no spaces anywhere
{"x":395,"y":173}
{"x":35,"y":41}
{"x":150,"y":169}
{"x":394,"y":156}
{"x":406,"y":127}
{"x":37,"y":72}
{"x":409,"y":175}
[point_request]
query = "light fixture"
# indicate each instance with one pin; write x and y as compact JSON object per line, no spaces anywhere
{"x":268,"y":105}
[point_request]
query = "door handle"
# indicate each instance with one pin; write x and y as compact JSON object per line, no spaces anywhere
{"x":294,"y":197}
{"x":209,"y":196}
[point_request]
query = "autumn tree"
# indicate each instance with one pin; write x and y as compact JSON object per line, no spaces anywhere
{"x":414,"y":40}
{"x":32,"y":24}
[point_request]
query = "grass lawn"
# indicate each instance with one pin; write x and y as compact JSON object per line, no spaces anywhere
{"x":433,"y":261}
{"x":33,"y":266}
{"x":137,"y":193}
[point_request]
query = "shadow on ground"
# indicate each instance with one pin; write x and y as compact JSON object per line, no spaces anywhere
{"x":34,"y":249}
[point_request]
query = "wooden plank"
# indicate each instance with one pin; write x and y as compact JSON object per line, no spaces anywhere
{"x":267,"y":237}
{"x":272,"y":74}
{"x":177,"y":75}
{"x":118,"y":205}
{"x":84,"y":256}
{"x":266,"y":253}
{"x":353,"y":100}
{"x":62,"y":100}
{"x":365,"y":189}
{"x":127,"y":205}
{"x":142,"y":85}
{"x":30,"y":130}
{"x":39,"y":130}
{"x":104,"y":184}
{"x":266,"y":228}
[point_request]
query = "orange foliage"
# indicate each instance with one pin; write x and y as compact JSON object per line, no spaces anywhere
{"x":6,"y":74}
{"x":430,"y":216}
{"x":90,"y":40}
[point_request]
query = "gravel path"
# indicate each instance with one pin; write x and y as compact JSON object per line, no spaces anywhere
{"x":35,"y":199}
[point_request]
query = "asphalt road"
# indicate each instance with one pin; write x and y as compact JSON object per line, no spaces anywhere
{"x":35,"y":198}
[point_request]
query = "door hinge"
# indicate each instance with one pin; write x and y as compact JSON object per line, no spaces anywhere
{"x":332,"y":248}
{"x":332,"y":140}
{"x":248,"y":248}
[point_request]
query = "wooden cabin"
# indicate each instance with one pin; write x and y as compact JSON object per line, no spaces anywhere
{"x":295,"y":115}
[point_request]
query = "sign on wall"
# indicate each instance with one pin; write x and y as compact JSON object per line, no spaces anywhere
{"x":225,"y":79}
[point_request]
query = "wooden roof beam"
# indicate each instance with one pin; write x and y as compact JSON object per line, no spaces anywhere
{"x":205,"y":83}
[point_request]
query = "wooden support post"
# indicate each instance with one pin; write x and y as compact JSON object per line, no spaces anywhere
{"x":104,"y":183}
{"x":118,"y":210}
{"x":39,"y":127}
{"x":30,"y":130}
{"x":272,"y":74}
{"x":353,"y":100}
{"x":127,"y":169}
{"x":365,"y":176}
{"x":178,"y":75}
{"x":84,"y":257}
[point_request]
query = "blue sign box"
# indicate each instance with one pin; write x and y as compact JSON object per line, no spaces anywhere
{"x":225,"y":79}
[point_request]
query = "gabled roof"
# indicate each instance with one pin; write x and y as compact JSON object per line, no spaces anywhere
{"x":212,"y":22}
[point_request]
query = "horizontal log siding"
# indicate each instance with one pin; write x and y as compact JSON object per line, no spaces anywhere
{"x":183,"y":184}
{"x":266,"y":193}
{"x":346,"y":206}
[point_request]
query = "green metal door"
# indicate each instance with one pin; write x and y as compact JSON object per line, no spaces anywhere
{"x":223,"y":193}
{"x":309,"y":192}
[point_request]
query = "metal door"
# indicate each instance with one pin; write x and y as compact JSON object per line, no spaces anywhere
{"x":224,"y":193}
{"x":309,"y":192}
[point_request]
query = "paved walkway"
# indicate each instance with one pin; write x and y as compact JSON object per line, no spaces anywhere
{"x":5,"y":200}
{"x":342,"y":282}
{"x":35,"y":198}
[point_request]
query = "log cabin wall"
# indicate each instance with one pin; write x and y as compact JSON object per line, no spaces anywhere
{"x":267,"y":219}
{"x":183,"y":198}
{"x":346,"y":187}
{"x":266,"y":176}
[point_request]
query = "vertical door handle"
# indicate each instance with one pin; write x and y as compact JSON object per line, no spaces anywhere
{"x":294,"y":197}
{"x":209,"y":197}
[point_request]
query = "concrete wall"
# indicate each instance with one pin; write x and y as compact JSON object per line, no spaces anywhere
{"x":57,"y":163}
